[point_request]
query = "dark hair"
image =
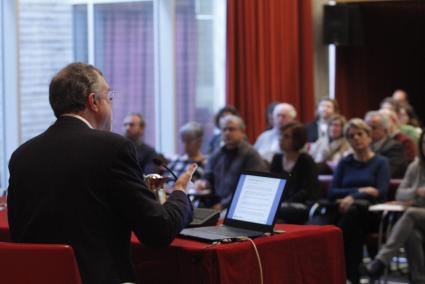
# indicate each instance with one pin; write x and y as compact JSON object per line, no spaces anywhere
{"x":299,"y":134}
{"x":222,"y":111}
{"x":420,"y":152}
{"x":70,"y":87}
{"x":142,"y":121}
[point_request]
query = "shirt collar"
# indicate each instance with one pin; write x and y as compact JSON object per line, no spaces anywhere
{"x":79,"y":117}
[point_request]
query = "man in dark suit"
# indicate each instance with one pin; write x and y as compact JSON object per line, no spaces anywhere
{"x":79,"y":184}
{"x":385,"y":145}
{"x":134,"y":126}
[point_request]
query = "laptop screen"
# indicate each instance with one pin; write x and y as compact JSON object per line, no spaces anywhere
{"x":256,"y":199}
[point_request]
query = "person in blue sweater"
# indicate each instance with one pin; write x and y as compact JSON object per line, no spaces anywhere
{"x":360,"y":179}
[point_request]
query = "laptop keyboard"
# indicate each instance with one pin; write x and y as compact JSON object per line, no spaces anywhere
{"x":230,"y":231}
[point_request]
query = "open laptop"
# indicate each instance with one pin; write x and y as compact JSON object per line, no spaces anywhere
{"x":252,"y":211}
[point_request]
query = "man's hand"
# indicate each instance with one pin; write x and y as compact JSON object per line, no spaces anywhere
{"x":184,"y":179}
{"x":345,"y":203}
{"x":370,"y":191}
{"x":420,"y":191}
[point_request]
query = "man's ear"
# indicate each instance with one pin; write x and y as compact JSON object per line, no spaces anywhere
{"x":92,"y":102}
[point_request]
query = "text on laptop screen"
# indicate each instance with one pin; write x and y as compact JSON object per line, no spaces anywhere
{"x":256,"y":199}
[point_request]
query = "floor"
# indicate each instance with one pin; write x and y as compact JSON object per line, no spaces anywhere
{"x":397,"y":273}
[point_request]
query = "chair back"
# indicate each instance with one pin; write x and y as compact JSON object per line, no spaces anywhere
{"x":38,"y":263}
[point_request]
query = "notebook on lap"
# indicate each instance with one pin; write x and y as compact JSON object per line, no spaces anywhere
{"x":252,"y":211}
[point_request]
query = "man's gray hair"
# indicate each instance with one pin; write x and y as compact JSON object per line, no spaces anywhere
{"x":384,"y":119}
{"x":70,"y":87}
{"x":193,"y":128}
{"x":233,"y":118}
{"x":287,"y":108}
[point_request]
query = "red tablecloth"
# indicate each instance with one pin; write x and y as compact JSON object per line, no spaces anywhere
{"x":4,"y":227}
{"x":304,"y":254}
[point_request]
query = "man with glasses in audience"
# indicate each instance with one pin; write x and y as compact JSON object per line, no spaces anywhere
{"x":79,"y":184}
{"x":385,"y":145}
{"x":224,"y":166}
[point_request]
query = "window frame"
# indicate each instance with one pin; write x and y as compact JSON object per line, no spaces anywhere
{"x":165,"y":74}
{"x":10,"y":108}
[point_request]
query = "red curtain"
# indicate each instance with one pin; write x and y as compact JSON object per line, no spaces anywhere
{"x":269,"y":58}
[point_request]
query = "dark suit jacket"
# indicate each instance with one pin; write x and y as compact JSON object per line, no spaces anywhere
{"x":312,"y":131}
{"x":145,"y":156}
{"x":83,"y":187}
{"x":394,"y":152}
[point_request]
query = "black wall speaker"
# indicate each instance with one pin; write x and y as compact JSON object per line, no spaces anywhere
{"x":343,"y":24}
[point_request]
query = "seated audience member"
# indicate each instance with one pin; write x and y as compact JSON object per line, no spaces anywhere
{"x":409,"y":124}
{"x":390,"y":104}
{"x":267,"y":143}
{"x":79,"y":184}
{"x":303,"y":186}
{"x":318,"y":128}
{"x":134,"y":126}
{"x":269,"y":115}
{"x":409,"y":231}
{"x":191,"y":136}
{"x":385,"y":145}
{"x":400,"y":96}
{"x":329,"y":149}
{"x":224,"y":166}
{"x":409,"y":146}
{"x":408,"y":121}
{"x":360,"y":178}
{"x":216,"y":141}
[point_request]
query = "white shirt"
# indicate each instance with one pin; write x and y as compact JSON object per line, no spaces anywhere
{"x":267,"y":144}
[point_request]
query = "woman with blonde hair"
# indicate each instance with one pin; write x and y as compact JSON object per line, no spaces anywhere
{"x":360,"y":179}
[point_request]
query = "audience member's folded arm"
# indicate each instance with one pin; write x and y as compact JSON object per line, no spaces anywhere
{"x":341,"y":192}
{"x":362,"y":195}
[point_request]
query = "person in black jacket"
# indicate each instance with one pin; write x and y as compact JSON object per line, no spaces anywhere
{"x":303,"y":185}
{"x":134,"y":127}
{"x":319,"y":127}
{"x":79,"y":184}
